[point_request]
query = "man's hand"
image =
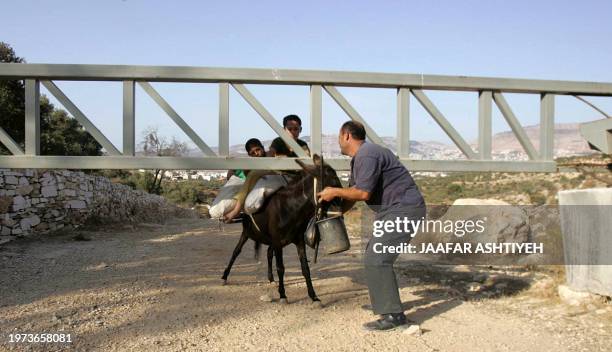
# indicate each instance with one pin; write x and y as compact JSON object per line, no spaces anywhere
{"x":352,"y":194}
{"x":327,"y":194}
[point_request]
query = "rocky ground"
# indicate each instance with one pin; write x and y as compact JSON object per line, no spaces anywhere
{"x":158,"y":288}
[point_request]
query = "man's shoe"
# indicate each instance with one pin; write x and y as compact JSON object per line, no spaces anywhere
{"x":386,"y":322}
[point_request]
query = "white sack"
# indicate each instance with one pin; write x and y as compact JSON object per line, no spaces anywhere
{"x":263,"y":188}
{"x":225,"y":199}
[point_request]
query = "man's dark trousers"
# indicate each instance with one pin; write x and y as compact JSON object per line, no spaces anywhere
{"x":380,"y":276}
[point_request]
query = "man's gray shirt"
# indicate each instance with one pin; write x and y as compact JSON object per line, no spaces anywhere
{"x":378,"y":171}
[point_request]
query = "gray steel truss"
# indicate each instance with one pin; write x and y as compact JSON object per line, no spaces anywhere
{"x":490,"y":90}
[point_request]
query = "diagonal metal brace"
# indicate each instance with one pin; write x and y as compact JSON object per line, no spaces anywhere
{"x":148,"y":88}
{"x":81,"y":118}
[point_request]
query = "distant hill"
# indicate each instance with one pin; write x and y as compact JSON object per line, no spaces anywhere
{"x":568,"y":142}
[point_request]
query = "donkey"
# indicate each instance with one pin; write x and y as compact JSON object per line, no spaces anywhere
{"x":283,"y":220}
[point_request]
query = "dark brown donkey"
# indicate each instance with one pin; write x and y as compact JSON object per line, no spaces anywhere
{"x":283,"y":219}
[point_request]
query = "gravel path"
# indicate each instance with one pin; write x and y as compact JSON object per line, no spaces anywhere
{"x":158,"y":288}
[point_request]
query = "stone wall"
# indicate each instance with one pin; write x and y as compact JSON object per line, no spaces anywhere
{"x":40,"y":201}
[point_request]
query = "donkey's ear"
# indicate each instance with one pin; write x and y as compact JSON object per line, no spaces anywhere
{"x":318,"y":160}
{"x":308,"y":168}
{"x":301,"y":163}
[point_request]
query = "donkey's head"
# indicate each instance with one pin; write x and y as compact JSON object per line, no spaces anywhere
{"x":325,"y":174}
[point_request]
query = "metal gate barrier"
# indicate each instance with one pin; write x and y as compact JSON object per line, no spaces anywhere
{"x":490,"y":90}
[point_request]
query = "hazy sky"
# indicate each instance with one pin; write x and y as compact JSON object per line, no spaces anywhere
{"x":567,"y":40}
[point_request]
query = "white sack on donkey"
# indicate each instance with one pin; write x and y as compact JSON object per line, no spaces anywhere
{"x":263,"y":188}
{"x":225,"y":201}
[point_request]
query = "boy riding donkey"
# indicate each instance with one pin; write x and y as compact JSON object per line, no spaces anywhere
{"x":278,"y":148}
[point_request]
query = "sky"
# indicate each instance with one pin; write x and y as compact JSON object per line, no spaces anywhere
{"x":561,"y":40}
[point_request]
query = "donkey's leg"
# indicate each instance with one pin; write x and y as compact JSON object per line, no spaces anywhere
{"x":280,"y":269}
{"x":270,"y":255}
{"x":241,"y":242}
{"x":256,"y":249}
{"x":301,"y":249}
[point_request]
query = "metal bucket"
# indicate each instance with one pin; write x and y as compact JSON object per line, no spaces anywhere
{"x":334,"y":237}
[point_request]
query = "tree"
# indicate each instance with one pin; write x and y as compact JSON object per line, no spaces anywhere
{"x":62,"y":135}
{"x":59,"y":133}
{"x":12,"y":100}
{"x":155,"y":145}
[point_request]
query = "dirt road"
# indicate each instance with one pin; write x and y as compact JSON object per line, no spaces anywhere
{"x":158,"y":288}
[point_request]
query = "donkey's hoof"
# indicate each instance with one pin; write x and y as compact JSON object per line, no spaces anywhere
{"x":283,"y":301}
{"x":317,"y":304}
{"x":224,"y":282}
